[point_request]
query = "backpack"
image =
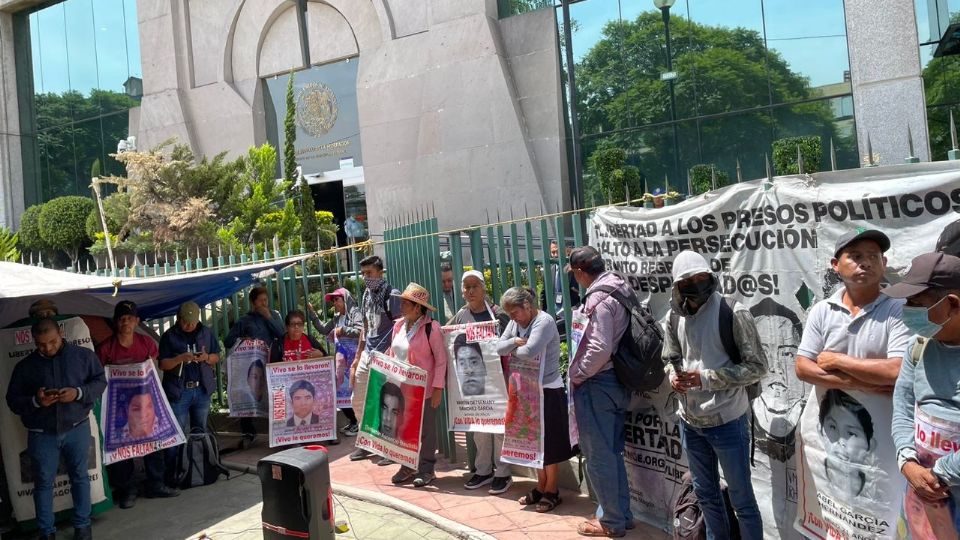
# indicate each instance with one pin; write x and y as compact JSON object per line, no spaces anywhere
{"x":726,"y":337}
{"x":688,"y":523}
{"x":637,"y":361}
{"x":198,"y":463}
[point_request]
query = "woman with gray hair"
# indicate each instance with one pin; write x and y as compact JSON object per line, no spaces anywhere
{"x":532,"y":333}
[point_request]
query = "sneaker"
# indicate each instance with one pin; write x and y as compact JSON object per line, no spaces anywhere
{"x":83,"y":533}
{"x":350,"y":430}
{"x":386,"y":461}
{"x":477,"y":480}
{"x":359,"y":454}
{"x":404,"y":475}
{"x":423,"y":479}
{"x":162,"y":492}
{"x":127,"y":501}
{"x":500,"y":484}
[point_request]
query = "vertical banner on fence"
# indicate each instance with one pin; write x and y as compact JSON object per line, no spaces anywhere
{"x":16,"y":344}
{"x":771,"y":248}
{"x":851,"y":487}
{"x":393,"y":410}
{"x":476,"y":389}
{"x":303,"y":401}
{"x":346,"y":351}
{"x":523,"y":430}
{"x":136,"y":417}
{"x":246,"y":378}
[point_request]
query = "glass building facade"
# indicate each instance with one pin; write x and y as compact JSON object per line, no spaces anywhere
{"x":78,"y":66}
{"x":940,"y":75}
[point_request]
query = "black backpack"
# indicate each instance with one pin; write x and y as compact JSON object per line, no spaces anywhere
{"x":688,"y":521}
{"x":726,"y":337}
{"x":198,"y":463}
{"x":637,"y":361}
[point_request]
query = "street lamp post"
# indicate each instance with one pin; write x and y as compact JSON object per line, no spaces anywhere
{"x":664,"y":7}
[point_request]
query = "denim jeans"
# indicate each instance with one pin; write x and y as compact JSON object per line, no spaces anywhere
{"x":601,"y":407}
{"x":729,"y":446}
{"x":45,"y":450}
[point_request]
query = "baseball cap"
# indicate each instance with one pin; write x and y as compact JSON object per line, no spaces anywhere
{"x":126,"y":307}
{"x":43,"y":305}
{"x":861,"y":234}
{"x":189,"y":312}
{"x":927,"y":271}
{"x":341,"y":292}
{"x":472,"y":273}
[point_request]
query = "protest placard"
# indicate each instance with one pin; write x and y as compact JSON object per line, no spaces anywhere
{"x":246,"y":378}
{"x":523,"y":429}
{"x":136,"y":417}
{"x":393,"y":410}
{"x":476,"y":389}
{"x":346,"y":351}
{"x":303,"y":401}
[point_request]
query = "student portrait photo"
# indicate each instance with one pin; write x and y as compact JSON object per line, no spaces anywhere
{"x":302,"y":396}
{"x":847,"y":432}
{"x":391,"y":410}
{"x":471,"y":369}
{"x":141,"y":415}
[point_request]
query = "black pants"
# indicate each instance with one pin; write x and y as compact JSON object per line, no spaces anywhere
{"x":351,"y":416}
{"x":122,"y":474}
{"x":247,"y":427}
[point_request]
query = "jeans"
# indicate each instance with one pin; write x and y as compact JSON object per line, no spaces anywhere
{"x":729,"y":446}
{"x":601,"y":407}
{"x":122,"y":474}
{"x":45,"y":450}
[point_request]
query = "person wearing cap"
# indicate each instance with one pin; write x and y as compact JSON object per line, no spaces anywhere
{"x":53,"y":390}
{"x":344,"y":326}
{"x":259,"y":323}
{"x":412,"y":343}
{"x":479,"y":308}
{"x":926,"y":392}
{"x":714,"y":406}
{"x":188,"y":351}
{"x":854,"y":340}
{"x":379,"y":308}
{"x":126,"y":346}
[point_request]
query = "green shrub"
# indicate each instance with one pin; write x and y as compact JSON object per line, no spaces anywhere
{"x":63,"y":224}
{"x":30,"y":238}
{"x":785,"y":154}
{"x":701,"y":177}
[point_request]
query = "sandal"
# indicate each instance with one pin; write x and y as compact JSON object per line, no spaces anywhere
{"x":594,"y":528}
{"x":549,"y":502}
{"x":531,"y":498}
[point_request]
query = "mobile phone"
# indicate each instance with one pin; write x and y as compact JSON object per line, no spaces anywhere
{"x":50,"y":392}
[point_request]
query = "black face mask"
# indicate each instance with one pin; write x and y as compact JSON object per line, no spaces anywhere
{"x":697,"y":291}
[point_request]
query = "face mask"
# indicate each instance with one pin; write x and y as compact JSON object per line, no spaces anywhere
{"x":373,"y":283}
{"x":917,"y":320}
{"x":697,"y":290}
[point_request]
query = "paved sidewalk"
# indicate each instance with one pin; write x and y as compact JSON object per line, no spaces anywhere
{"x":497,"y":515}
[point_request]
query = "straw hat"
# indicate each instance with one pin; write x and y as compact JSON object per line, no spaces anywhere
{"x":416,"y":294}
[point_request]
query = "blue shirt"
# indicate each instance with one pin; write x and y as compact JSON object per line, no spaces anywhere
{"x":174,"y":342}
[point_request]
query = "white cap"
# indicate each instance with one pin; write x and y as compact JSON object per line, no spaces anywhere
{"x":473,"y":273}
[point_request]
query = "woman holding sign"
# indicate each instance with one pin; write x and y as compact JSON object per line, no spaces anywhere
{"x":531,"y":334}
{"x":418,"y":341}
{"x":295,"y":345}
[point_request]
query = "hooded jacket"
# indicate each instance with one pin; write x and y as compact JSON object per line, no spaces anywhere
{"x":351,"y":321}
{"x":722,"y":395}
{"x":608,"y":322}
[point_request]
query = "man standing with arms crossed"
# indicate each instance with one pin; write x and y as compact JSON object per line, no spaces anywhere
{"x":378,"y":308}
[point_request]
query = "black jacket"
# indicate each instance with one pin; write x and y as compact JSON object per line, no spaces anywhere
{"x":72,"y":367}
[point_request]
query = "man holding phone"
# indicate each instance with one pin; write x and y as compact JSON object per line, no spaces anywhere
{"x":53,"y":390}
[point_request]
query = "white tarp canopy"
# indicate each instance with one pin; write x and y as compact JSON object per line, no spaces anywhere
{"x":21,"y":285}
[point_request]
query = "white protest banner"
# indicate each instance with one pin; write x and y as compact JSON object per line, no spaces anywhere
{"x":846,"y":491}
{"x":771,"y":248}
{"x":523,"y":431}
{"x":393,"y":410}
{"x":303,"y":396}
{"x":136,"y":417}
{"x":16,"y":344}
{"x":476,"y":388}
{"x":578,"y":326}
{"x":246,"y":378}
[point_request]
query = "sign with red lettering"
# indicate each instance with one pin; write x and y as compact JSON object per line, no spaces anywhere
{"x":476,"y":388}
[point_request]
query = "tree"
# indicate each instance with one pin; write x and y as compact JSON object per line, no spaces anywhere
{"x":30,"y":238}
{"x":720,"y":70}
{"x":63,"y":224}
{"x":614,"y":176}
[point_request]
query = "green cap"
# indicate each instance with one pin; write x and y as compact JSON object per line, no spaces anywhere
{"x":189,"y":312}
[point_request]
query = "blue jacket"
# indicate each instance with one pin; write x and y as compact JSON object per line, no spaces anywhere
{"x":72,"y":367}
{"x":175,"y":341}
